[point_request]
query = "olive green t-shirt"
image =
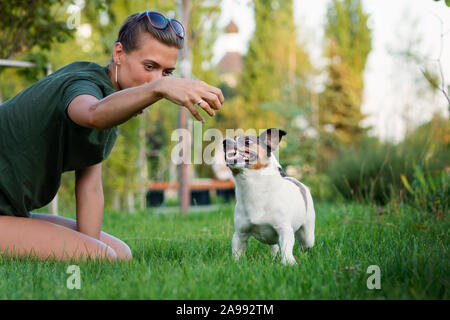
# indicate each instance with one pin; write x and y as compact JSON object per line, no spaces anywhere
{"x":38,"y":141}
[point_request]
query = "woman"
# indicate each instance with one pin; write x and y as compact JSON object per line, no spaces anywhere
{"x":68,"y":121}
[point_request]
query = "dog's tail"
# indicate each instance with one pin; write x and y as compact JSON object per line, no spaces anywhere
{"x":309,"y":226}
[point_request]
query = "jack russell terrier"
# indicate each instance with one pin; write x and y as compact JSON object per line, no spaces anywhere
{"x":270,"y":206}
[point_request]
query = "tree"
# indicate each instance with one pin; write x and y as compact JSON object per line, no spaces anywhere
{"x":275,"y":70}
{"x":349,"y":43}
{"x":28,"y":23}
{"x":447,"y":2}
{"x":273,"y":88}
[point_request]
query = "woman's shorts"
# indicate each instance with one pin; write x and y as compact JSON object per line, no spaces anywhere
{"x":6,"y":209}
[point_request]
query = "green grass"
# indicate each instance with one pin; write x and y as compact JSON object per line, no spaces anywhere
{"x":190,"y":258}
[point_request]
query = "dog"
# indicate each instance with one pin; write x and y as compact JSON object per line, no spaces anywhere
{"x":270,"y":206}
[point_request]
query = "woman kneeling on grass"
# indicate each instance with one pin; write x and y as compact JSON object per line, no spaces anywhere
{"x":67,"y":121}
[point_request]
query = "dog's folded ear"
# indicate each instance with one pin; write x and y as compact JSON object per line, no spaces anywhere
{"x":271,"y":138}
{"x":228,"y":144}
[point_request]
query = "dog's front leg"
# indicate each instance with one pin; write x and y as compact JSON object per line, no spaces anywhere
{"x":239,"y":244}
{"x":274,"y":250}
{"x":287,"y":240}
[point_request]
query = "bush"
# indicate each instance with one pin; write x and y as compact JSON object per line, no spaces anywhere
{"x":428,"y":192}
{"x":372,"y":171}
{"x":365,"y":172}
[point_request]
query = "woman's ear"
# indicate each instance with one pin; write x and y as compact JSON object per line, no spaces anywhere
{"x":117,"y":52}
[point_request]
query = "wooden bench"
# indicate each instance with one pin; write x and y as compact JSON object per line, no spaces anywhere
{"x":200,"y":190}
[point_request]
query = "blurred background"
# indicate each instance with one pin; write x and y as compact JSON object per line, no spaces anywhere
{"x":361,"y":87}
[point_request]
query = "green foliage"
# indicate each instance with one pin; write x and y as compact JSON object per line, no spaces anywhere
{"x":162,"y":118}
{"x":25,"y":24}
{"x":365,"y":172}
{"x":349,"y":44}
{"x":447,"y":2}
{"x":372,"y":171}
{"x":272,"y":73}
{"x":427,"y":186}
{"x":42,"y":67}
{"x":429,"y":192}
{"x":341,"y":104}
{"x":272,"y":90}
{"x":298,"y":149}
{"x":204,"y":32}
{"x":347,"y":25}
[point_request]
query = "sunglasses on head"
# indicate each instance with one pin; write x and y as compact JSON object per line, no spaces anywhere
{"x":158,"y":21}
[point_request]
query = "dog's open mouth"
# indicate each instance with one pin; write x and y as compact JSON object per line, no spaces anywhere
{"x":235,"y":157}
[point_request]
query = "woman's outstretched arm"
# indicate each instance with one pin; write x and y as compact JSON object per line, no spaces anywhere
{"x":115,"y":109}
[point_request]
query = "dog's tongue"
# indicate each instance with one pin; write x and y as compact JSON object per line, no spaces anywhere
{"x":240,"y":158}
{"x":235,"y":158}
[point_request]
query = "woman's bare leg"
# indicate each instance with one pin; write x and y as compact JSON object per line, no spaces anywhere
{"x":25,"y":237}
{"x":121,"y":248}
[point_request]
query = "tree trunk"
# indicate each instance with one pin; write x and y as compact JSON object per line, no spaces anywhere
{"x":130,"y":201}
{"x":142,"y":165}
{"x":116,"y":202}
{"x":1,"y":97}
{"x":186,"y":69}
{"x":53,"y":206}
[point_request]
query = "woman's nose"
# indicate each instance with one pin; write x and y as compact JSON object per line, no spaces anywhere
{"x":155,"y":76}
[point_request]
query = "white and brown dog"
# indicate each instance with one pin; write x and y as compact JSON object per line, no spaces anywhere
{"x":270,"y":206}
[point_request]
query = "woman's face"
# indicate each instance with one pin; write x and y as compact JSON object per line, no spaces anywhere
{"x":150,"y":62}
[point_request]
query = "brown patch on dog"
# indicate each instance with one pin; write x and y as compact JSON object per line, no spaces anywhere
{"x":235,"y":172}
{"x":258,"y":165}
{"x":300,"y":186}
{"x":262,"y":160}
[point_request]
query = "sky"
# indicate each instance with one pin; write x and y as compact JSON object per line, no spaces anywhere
{"x":393,"y":97}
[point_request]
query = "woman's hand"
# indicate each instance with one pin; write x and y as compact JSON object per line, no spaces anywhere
{"x":188,"y":93}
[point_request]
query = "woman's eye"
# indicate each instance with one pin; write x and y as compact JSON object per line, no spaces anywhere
{"x":168,"y":73}
{"x":149,"y":67}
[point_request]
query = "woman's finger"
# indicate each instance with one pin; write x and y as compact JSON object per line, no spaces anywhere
{"x":215,"y":91}
{"x":194,"y":112}
{"x":206,"y":106}
{"x":212,"y":100}
{"x":218,"y":93}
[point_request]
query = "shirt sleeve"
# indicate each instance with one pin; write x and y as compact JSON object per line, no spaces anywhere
{"x":80,"y":87}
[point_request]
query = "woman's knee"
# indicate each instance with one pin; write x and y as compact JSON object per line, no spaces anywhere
{"x":122,"y":250}
{"x":110,"y":254}
{"x":31,"y":237}
{"x":110,"y":251}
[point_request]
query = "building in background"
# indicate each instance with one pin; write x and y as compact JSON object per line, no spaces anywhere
{"x":231,"y":64}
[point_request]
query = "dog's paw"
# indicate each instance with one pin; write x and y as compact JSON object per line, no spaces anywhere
{"x":289,"y":261}
{"x":236,"y":257}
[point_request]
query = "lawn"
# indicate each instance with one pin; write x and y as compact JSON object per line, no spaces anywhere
{"x":189,"y":257}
